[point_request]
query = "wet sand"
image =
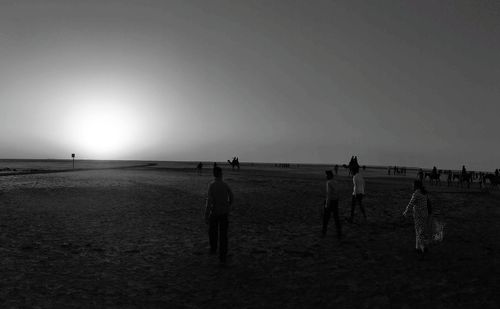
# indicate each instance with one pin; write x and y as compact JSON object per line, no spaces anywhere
{"x":135,"y":237}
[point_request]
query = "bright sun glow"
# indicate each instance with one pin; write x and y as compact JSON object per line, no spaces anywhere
{"x":103,"y":128}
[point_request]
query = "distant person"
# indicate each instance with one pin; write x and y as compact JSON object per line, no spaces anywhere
{"x":218,"y":206}
{"x":420,"y":174}
{"x":357,"y":193}
{"x":421,"y":213}
{"x":389,"y":171}
{"x":331,"y":205}
{"x":336,"y":169}
{"x":199,"y":167}
{"x":496,"y":173}
{"x":449,"y":177}
{"x":464,"y":171}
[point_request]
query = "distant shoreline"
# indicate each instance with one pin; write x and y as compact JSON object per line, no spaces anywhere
{"x":193,"y":163}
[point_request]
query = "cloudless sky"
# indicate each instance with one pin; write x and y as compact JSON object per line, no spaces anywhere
{"x":394,"y":82}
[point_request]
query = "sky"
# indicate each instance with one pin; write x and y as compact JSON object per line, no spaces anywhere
{"x":412,"y":83}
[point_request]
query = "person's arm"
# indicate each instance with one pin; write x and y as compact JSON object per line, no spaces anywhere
{"x":327,"y":199}
{"x":209,"y":204}
{"x":410,"y":204}
{"x":230,"y":196}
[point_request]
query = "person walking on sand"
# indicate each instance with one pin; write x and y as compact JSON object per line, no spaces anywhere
{"x":357,"y":193}
{"x":331,"y":205}
{"x":218,"y":206}
{"x":419,"y":204}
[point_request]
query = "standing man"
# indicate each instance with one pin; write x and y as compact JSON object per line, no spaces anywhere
{"x":331,"y":205}
{"x":357,"y":193}
{"x":219,"y":201}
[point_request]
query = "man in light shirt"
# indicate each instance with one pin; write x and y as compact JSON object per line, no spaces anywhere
{"x":219,"y":201}
{"x":331,"y":205}
{"x":358,"y":192}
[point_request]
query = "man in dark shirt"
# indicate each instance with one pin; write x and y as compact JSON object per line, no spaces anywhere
{"x":219,"y":201}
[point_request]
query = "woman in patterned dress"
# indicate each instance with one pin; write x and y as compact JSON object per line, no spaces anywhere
{"x":418,"y":203}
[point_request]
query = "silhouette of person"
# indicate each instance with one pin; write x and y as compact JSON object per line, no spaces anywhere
{"x":350,"y":165}
{"x":331,"y":205}
{"x":496,"y":172}
{"x":219,"y":202}
{"x":449,"y":178}
{"x":336,"y":169}
{"x":464,"y":171}
{"x":420,"y":174}
{"x":356,"y":164}
{"x":358,"y":193}
{"x":419,"y":205}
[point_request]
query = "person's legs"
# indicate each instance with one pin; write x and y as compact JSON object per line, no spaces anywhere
{"x":213,"y":231}
{"x":335,"y":209}
{"x":359,"y":197}
{"x":353,"y":204}
{"x":223,"y":226}
{"x":419,"y":238}
{"x":326,"y":218}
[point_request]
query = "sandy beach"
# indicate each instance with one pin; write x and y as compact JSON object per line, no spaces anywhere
{"x":128,"y":235}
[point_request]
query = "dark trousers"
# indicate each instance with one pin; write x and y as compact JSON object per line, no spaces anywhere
{"x":357,"y":199}
{"x":217,"y":232}
{"x":332,"y":207}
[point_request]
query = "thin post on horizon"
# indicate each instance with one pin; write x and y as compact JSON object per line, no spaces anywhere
{"x":73,"y":156}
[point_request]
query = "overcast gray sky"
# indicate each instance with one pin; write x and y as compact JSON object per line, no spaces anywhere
{"x":394,"y":82}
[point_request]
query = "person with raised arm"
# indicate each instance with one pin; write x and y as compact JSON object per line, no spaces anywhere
{"x":421,"y":212}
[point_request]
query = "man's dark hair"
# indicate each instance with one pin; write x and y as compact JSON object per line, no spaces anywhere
{"x":417,"y":184}
{"x":217,"y":171}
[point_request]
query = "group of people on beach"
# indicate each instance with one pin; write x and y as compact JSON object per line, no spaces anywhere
{"x":220,"y":199}
{"x":332,"y":200}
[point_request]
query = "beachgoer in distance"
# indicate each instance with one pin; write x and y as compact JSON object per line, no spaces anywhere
{"x":357,"y":193}
{"x":331,"y":205}
{"x":336,"y":168}
{"x":421,"y":214}
{"x":218,"y":206}
{"x":420,"y":174}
